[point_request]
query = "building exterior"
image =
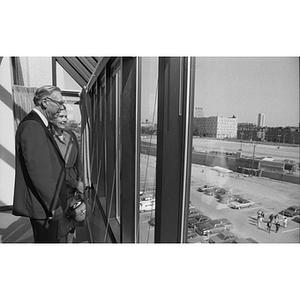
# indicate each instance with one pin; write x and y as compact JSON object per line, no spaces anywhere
{"x":251,"y":132}
{"x":261,"y":120}
{"x":216,"y":127}
{"x":198,"y":112}
{"x":284,"y":135}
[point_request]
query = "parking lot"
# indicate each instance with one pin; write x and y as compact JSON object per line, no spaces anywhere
{"x":270,"y":196}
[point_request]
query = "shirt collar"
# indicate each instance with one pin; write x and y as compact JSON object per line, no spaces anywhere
{"x":44,"y":119}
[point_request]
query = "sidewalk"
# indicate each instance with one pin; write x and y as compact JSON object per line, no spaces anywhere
{"x":15,"y":229}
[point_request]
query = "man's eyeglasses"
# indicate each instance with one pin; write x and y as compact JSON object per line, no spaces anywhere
{"x":59,"y":103}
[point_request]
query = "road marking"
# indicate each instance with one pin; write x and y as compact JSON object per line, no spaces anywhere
{"x":290,"y":230}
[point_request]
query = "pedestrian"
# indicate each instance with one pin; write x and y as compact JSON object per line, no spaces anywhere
{"x":284,"y":222}
{"x":259,"y":212}
{"x":269,"y":227}
{"x":277,"y":224}
{"x":271,"y":218}
{"x":276,"y":218}
{"x":40,"y":189}
{"x":68,"y":145}
{"x":263,"y":214}
{"x":258,"y":221}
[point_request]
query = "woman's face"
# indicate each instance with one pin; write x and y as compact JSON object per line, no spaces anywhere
{"x":60,"y":119}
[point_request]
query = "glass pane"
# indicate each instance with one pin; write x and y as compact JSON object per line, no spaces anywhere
{"x":148,"y":87}
{"x":117,"y":94}
{"x":64,"y":80}
{"x":246,"y":148}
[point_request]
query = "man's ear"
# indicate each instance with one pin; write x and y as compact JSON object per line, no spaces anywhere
{"x":43,"y":104}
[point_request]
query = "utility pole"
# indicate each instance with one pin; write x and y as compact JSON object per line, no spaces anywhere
{"x":253,"y":145}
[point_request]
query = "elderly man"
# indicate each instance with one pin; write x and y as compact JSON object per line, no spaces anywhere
{"x":40,"y":187}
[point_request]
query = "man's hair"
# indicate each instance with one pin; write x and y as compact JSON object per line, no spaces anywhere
{"x":44,"y":91}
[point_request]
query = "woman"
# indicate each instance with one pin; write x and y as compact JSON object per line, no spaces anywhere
{"x":68,"y":145}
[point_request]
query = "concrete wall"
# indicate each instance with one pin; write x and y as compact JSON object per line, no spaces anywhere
{"x":279,"y":176}
{"x":7,"y":141}
{"x":228,"y":162}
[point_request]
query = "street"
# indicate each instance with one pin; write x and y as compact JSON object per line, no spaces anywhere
{"x":276,"y":151}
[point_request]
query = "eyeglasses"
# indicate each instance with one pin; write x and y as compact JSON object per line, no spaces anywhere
{"x":58,"y":103}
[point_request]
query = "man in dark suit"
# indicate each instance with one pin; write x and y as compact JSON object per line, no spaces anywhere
{"x":40,"y":188}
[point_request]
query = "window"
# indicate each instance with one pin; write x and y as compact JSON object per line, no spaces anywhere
{"x":148,"y":95}
{"x":116,"y":103}
{"x":245,"y":88}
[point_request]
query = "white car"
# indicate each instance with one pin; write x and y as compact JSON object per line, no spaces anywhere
{"x":241,"y":203}
{"x":147,"y":198}
{"x":147,"y":206}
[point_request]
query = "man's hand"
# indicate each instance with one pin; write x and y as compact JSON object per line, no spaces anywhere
{"x":80,"y":187}
{"x":56,"y":214}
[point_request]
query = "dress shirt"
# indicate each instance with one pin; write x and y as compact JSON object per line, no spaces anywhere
{"x":44,"y":119}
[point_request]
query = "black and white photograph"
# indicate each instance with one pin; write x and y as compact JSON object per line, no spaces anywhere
{"x":133,"y":158}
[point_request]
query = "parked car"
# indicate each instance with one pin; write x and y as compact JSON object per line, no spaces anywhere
{"x":192,"y":222}
{"x":221,"y":192}
{"x":210,"y":191}
{"x":191,"y":206}
{"x":215,"y":191}
{"x":223,"y":237}
{"x":214,"y":226}
{"x":241,"y":203}
{"x":291,"y":211}
{"x":147,"y":206}
{"x":226,"y":222}
{"x":194,"y":237}
{"x":193,"y":212}
{"x":147,"y":198}
{"x":226,"y":199}
{"x":296,"y":219}
{"x":244,"y":241}
{"x":204,"y":187}
{"x":210,"y":227}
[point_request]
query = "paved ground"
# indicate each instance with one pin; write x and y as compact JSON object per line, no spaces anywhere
{"x":268,"y":195}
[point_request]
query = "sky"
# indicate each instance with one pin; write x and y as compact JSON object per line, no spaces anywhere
{"x":240,"y":86}
{"x":247,"y":86}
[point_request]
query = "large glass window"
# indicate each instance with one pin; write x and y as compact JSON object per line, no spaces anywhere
{"x":149,"y":94}
{"x":246,"y":149}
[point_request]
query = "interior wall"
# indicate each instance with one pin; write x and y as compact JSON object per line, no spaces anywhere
{"x":37,"y":71}
{"x":7,"y":142}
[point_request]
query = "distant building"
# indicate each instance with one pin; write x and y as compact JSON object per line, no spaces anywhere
{"x":285,"y":135}
{"x":216,"y":127}
{"x":198,"y":112}
{"x":246,"y":131}
{"x":261,"y":120}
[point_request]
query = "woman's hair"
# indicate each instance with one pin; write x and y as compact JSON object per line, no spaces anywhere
{"x":63,"y":107}
{"x":44,"y":91}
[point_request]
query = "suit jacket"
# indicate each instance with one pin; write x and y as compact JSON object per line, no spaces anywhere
{"x":40,"y":176}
